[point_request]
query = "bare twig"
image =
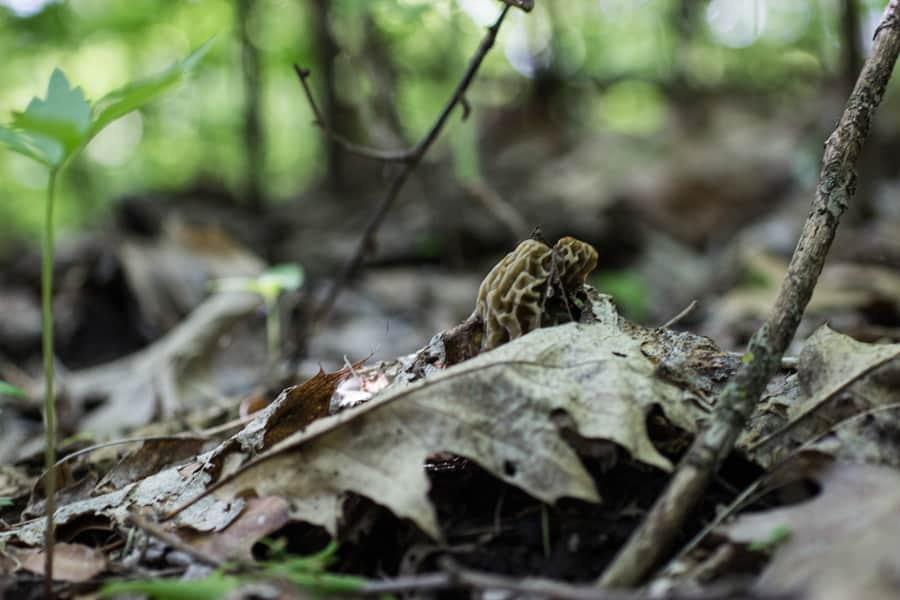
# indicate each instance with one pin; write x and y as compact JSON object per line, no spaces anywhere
{"x":253,"y":127}
{"x":504,"y":212}
{"x":682,"y":314}
{"x":409,"y":163}
{"x":459,"y":578}
{"x":835,"y":188}
{"x":351,"y":147}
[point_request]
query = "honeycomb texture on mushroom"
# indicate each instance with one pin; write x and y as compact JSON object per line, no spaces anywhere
{"x":575,"y":260}
{"x":511,"y":297}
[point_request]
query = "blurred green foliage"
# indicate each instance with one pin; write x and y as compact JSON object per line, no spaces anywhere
{"x":628,"y":289}
{"x":308,"y":573}
{"x":622,"y":52}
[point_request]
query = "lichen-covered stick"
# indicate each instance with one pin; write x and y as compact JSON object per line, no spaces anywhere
{"x":835,"y":188}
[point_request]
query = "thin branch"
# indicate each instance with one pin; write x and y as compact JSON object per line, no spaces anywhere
{"x":459,"y":578}
{"x":351,"y":147}
{"x":837,"y":181}
{"x":681,"y":315}
{"x":366,"y":240}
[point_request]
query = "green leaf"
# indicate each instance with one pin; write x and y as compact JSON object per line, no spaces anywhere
{"x":64,"y":105}
{"x":62,"y":118}
{"x":5,"y":501}
{"x":52,"y":128}
{"x":213,"y":587}
{"x":8,"y":389}
{"x":280,"y":278}
{"x":134,"y":95}
{"x":23,"y":144}
{"x":778,"y":535}
{"x":268,"y":284}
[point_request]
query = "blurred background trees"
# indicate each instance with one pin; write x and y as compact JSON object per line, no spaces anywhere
{"x":382,"y":68}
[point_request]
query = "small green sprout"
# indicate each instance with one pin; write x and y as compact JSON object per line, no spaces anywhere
{"x":270,"y":285}
{"x":778,"y":535}
{"x":8,"y":389}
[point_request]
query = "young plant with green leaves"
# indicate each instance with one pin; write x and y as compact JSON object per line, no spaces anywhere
{"x":51,"y":131}
{"x":270,"y":284}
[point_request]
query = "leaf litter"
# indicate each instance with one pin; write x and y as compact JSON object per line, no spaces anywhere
{"x":298,"y":459}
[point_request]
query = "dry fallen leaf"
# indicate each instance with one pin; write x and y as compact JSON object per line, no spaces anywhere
{"x":837,"y":378}
{"x":841,"y":544}
{"x":71,"y":562}
{"x":174,"y":486}
{"x":261,"y":517}
{"x":500,"y":409}
{"x":495,"y":409}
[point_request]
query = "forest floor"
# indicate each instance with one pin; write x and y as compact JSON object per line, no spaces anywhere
{"x":438,"y":460}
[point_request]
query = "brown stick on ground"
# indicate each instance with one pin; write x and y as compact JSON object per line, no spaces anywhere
{"x":409,"y":159}
{"x":835,"y":188}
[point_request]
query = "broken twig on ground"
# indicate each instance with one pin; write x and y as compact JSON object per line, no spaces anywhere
{"x":837,"y":181}
{"x":457,"y":578}
{"x":410,"y":160}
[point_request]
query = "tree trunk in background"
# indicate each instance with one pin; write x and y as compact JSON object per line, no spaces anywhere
{"x":326,"y":50}
{"x":252,"y":129}
{"x":851,"y":64}
{"x":389,"y":130}
{"x":685,"y":18}
{"x":852,"y":44}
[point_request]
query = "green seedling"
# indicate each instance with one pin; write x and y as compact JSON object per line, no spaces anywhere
{"x":270,"y":285}
{"x":8,"y":389}
{"x":51,"y":131}
{"x":778,"y":536}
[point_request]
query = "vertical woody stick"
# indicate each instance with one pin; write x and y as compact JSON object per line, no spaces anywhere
{"x":837,"y":182}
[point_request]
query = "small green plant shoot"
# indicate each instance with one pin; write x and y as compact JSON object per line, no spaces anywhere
{"x":270,"y":284}
{"x":51,"y":131}
{"x":778,"y":535}
{"x":8,"y":389}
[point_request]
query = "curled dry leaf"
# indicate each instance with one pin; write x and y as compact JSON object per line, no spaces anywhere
{"x":837,"y":378}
